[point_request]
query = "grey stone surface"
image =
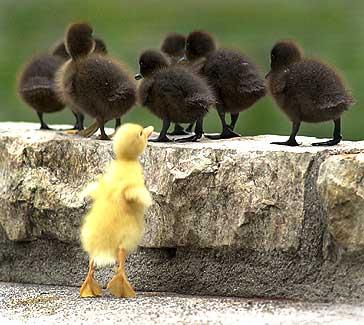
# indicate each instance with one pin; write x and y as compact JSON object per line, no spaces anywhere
{"x":341,"y":185}
{"x":29,"y":304}
{"x":239,"y":217}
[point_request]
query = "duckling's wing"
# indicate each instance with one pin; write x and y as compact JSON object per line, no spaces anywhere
{"x":37,"y":83}
{"x":332,"y":100}
{"x":144,"y":91}
{"x":202,"y":101}
{"x":120,"y":92}
{"x":250,"y":80}
{"x":172,"y":90}
{"x":320,"y":84}
{"x":278,"y":84}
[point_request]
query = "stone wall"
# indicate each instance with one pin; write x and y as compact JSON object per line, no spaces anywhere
{"x":239,"y":217}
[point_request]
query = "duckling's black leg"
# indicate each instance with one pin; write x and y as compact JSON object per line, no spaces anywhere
{"x":336,"y":136}
{"x":76,"y":126}
{"x":81,"y":120}
{"x":178,"y":130}
{"x":226,"y":133}
{"x":103,"y":135}
{"x":163,"y":134}
{"x":292,"y":138}
{"x":117,"y":123}
{"x":198,"y":132}
{"x":43,"y":125}
{"x":190,"y":127}
{"x":234,"y":119}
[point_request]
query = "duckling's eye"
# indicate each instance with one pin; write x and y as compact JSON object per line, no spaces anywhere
{"x":141,"y":133}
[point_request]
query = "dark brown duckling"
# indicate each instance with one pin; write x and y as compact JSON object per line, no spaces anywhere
{"x":96,"y":84}
{"x":173,"y":45}
{"x":235,"y":79}
{"x":60,"y":50}
{"x":306,"y":90}
{"x":36,"y":85}
{"x":100,"y":48}
{"x":173,"y":93}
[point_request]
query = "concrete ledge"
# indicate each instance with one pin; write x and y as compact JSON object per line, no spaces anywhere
{"x":239,"y":217}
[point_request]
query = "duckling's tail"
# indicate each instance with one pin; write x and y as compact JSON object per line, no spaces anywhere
{"x":103,"y":260}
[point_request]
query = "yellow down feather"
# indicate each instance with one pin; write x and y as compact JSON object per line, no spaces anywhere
{"x":116,"y":218}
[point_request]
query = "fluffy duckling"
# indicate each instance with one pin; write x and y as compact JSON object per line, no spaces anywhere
{"x":96,"y":84}
{"x":173,"y":45}
{"x":36,"y":84}
{"x":234,"y":78}
{"x":173,"y":93}
{"x":115,"y":224}
{"x":100,"y":48}
{"x":306,"y":90}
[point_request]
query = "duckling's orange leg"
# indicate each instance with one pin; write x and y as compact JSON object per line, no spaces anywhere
{"x":90,"y":287}
{"x":119,"y":285}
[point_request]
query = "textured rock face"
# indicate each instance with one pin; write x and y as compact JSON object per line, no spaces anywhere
{"x":207,"y":197}
{"x":264,"y":220}
{"x":341,"y":185}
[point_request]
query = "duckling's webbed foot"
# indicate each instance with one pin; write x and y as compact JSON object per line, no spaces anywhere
{"x":225,"y":134}
{"x":290,"y":142}
{"x":337,"y":137}
{"x":192,"y":138}
{"x":43,"y":125}
{"x":163,"y":134}
{"x":332,"y":142}
{"x":160,"y":139}
{"x":198,"y":133}
{"x":119,"y":285}
{"x":178,"y":130}
{"x":292,"y":138}
{"x":90,"y":287}
{"x":78,"y":125}
{"x":103,"y":135}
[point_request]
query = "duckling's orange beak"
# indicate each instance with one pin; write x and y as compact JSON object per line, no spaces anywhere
{"x":148,"y":131}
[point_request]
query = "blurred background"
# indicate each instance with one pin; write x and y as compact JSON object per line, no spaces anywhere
{"x":330,"y":29}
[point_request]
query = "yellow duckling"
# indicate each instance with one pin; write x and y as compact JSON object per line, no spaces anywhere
{"x":115,"y":224}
